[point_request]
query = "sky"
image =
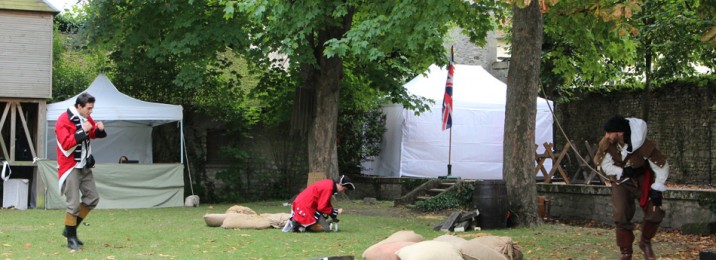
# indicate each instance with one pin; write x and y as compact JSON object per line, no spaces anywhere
{"x":61,"y":4}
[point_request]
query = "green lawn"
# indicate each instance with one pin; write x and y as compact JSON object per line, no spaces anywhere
{"x":180,"y":233}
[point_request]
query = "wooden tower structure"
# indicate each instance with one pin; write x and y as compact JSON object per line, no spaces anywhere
{"x":25,"y":80}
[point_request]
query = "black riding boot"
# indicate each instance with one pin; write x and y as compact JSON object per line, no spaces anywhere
{"x":72,"y":241}
{"x":64,"y":232}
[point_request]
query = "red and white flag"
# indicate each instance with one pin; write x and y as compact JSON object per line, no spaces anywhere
{"x":447,"y":99}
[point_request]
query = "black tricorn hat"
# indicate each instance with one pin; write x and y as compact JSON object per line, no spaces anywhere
{"x":617,"y":124}
{"x":346,"y":182}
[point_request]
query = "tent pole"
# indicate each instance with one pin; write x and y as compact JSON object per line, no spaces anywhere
{"x":188,"y":167}
{"x":181,"y":141}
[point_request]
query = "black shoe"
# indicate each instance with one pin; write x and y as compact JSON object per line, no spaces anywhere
{"x":73,"y":243}
{"x":64,"y":233}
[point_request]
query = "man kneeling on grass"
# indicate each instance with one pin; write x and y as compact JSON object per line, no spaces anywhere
{"x":315,"y":201}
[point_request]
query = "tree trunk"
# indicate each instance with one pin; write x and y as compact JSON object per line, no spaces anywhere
{"x":322,"y":148}
{"x":520,"y":112}
{"x":322,"y":151}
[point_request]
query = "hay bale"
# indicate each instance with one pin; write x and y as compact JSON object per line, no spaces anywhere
{"x":453,"y":240}
{"x":429,"y":250}
{"x":503,"y":245}
{"x":241,"y":210}
{"x":400,"y":236}
{"x":277,"y":220}
{"x":474,"y":250}
{"x":247,"y":221}
{"x":386,"y":251}
{"x":214,"y":220}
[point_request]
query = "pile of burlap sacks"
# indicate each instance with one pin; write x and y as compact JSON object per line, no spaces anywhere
{"x":240,"y":217}
{"x":407,"y":245}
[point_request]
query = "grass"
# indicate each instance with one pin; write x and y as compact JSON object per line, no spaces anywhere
{"x":180,"y":233}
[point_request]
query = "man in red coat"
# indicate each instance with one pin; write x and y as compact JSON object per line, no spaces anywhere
{"x":74,"y":130}
{"x":315,"y":201}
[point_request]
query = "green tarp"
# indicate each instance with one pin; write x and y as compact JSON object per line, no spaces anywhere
{"x":123,"y":186}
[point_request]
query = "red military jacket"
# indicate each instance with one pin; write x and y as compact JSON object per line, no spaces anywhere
{"x":67,"y":143}
{"x":316,"y":197}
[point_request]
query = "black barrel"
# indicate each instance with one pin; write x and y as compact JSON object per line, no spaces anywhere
{"x":490,"y":198}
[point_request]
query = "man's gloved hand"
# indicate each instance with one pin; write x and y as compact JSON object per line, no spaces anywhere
{"x":655,"y":197}
{"x":629,"y":172}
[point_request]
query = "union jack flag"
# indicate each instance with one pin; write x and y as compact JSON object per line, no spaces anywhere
{"x":447,"y":99}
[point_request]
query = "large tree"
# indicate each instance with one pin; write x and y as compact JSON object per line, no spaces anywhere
{"x":520,"y":113}
{"x":323,"y":39}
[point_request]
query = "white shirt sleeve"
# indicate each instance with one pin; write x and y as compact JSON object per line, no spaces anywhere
{"x":661,"y":173}
{"x":609,"y":168}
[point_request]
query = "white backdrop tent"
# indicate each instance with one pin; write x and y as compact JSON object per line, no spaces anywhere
{"x":128,"y":122}
{"x":416,"y":146}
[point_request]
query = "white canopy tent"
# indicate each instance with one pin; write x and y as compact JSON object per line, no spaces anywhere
{"x":416,"y":146}
{"x":128,"y":122}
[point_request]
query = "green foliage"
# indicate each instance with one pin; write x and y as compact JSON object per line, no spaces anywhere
{"x":385,"y":43}
{"x":584,"y":45}
{"x":603,"y":44}
{"x":184,"y":57}
{"x":459,"y":197}
{"x":668,"y":38}
{"x":409,"y":184}
{"x":74,"y":65}
{"x":359,"y":138}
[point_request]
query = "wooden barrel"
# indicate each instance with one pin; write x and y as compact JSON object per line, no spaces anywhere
{"x":490,"y":198}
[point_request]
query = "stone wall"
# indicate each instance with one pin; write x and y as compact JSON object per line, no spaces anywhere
{"x":587,"y":202}
{"x":571,"y":202}
{"x":680,"y":120}
{"x":468,"y":53}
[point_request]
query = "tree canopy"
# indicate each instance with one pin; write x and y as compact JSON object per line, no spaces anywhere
{"x":326,"y":40}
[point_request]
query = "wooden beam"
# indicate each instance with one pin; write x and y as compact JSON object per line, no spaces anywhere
{"x":13,"y":126}
{"x":22,"y":100}
{"x":447,"y":225}
{"x":468,"y":216}
{"x":5,"y":154}
{"x":41,"y":129}
{"x":462,"y":226}
{"x":27,"y":132}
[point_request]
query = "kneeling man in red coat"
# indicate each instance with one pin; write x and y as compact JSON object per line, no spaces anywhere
{"x":315,"y":201}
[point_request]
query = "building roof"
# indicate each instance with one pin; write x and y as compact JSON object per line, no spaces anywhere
{"x":27,"y":5}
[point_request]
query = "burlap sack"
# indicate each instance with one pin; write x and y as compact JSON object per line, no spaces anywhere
{"x":400,"y":236}
{"x":214,"y":220}
{"x":386,"y":251}
{"x":474,"y":250}
{"x":246,"y":221}
{"x":277,"y":220}
{"x":453,"y":240}
{"x":429,"y":250}
{"x":503,"y":245}
{"x":241,"y":210}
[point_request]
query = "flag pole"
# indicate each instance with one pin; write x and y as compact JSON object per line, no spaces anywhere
{"x":447,"y":111}
{"x":449,"y":166}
